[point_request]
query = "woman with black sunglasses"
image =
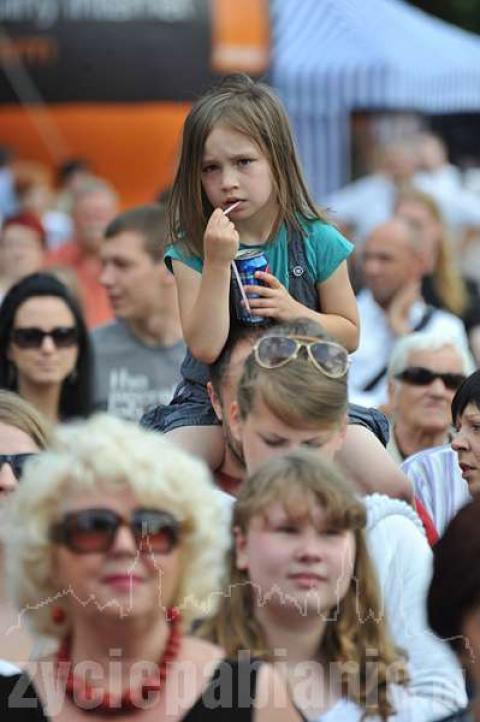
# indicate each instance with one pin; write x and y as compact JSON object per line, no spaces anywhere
{"x":45,"y":348}
{"x":116,"y":543}
{"x":23,"y":434}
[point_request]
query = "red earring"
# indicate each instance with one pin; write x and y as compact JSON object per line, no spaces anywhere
{"x":58,"y":615}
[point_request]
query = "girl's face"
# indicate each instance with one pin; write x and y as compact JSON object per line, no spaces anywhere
{"x":122,"y":580}
{"x":263,"y":435}
{"x":467,"y":445}
{"x":296,"y":564}
{"x":47,"y":363}
{"x":235,"y":169}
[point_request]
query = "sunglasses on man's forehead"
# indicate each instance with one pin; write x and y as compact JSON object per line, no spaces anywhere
{"x":93,"y":530}
{"x":420,"y":376}
{"x":329,"y":357}
{"x":33,"y":337}
{"x":16,"y":462}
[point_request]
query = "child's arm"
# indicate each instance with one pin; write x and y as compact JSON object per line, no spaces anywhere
{"x":339,"y":315}
{"x":203,"y":299}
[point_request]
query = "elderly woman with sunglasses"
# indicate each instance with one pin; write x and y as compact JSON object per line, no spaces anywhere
{"x":424,"y":372}
{"x":115,"y":545}
{"x":44,"y":348}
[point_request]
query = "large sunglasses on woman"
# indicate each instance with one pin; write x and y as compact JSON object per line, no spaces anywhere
{"x":330,"y":358}
{"x":93,"y":531}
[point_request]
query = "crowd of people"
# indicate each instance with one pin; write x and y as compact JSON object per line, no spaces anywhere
{"x":240,"y":506}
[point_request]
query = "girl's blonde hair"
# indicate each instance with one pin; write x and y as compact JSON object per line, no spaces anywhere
{"x":447,"y":280}
{"x":300,"y":481}
{"x":17,"y":412}
{"x":110,"y":454}
{"x":298,"y":392}
{"x":254,"y":110}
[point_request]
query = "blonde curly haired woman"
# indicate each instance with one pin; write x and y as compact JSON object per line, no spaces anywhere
{"x":115,"y":545}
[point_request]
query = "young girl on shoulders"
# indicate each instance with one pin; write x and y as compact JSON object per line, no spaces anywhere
{"x":239,"y":185}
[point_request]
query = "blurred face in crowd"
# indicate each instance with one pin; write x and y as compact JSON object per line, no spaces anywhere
{"x":399,"y":162}
{"x":13,"y":441}
{"x":263,"y":435}
{"x":21,"y":252}
{"x":467,"y":445}
{"x":429,"y":229}
{"x":92,"y":213}
{"x":37,"y":198}
{"x":45,"y":363}
{"x":389,"y":261}
{"x":426,"y":407}
{"x":131,"y":277}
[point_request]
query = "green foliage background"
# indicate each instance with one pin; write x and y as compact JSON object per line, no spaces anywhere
{"x":464,"y":13}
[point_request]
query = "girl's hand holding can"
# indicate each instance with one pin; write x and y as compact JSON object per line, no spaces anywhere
{"x":274,"y":301}
{"x":221,"y":239}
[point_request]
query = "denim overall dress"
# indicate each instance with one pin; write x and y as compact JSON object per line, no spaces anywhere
{"x":191,"y":406}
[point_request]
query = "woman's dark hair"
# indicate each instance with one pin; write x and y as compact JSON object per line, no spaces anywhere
{"x":76,"y":394}
{"x":467,"y":393}
{"x":455,"y":586}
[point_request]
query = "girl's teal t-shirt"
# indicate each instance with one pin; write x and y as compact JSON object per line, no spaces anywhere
{"x":325,"y":249}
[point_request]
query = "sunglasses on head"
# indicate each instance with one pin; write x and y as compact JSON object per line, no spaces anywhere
{"x":32,"y":337}
{"x":330,"y":358}
{"x":16,"y":462}
{"x":420,"y":376}
{"x":93,"y":530}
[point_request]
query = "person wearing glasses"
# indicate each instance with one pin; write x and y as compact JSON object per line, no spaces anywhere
{"x":23,"y":434}
{"x":424,"y":372}
{"x":293,"y":393}
{"x":45,"y":348}
{"x":116,"y":541}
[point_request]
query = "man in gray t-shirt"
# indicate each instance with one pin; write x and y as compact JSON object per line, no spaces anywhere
{"x":138,"y":356}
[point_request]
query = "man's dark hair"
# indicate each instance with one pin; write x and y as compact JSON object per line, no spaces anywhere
{"x":219,"y":368}
{"x":150,"y":222}
{"x":467,"y":393}
{"x":72,"y":166}
{"x":455,"y":585}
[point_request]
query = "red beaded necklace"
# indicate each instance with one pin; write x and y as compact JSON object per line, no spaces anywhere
{"x":89,"y":699}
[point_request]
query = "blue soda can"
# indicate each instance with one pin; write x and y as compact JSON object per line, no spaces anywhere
{"x":247,"y":262}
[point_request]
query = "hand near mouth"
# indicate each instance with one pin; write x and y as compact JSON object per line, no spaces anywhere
{"x":220,"y":240}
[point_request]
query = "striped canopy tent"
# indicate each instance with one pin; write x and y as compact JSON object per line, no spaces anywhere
{"x":331,"y":57}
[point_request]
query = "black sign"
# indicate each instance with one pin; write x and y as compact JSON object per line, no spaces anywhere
{"x":104,"y":50}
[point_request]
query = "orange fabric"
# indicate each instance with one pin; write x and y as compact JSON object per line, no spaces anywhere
{"x":132,"y":145}
{"x":240,"y":36}
{"x":96,"y":305}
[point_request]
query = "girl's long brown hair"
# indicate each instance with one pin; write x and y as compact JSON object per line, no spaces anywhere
{"x":301,"y":480}
{"x":254,"y":110}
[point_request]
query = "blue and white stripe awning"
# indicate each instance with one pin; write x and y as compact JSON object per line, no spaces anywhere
{"x":334,"y":56}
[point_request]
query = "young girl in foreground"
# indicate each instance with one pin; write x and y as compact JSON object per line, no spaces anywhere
{"x":238,"y":153}
{"x":302,"y":590}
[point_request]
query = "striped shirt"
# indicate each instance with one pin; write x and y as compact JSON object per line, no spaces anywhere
{"x":438,"y":483}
